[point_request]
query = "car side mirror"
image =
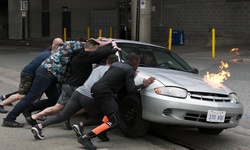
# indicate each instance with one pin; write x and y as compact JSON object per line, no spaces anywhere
{"x":196,"y":71}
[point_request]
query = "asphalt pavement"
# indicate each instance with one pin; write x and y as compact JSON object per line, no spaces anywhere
{"x":14,"y":54}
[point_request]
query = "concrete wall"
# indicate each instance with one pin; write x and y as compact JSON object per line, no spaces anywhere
{"x":230,"y":19}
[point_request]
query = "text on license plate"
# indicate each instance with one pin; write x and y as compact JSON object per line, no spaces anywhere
{"x":216,"y":116}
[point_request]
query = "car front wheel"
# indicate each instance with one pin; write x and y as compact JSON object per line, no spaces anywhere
{"x":210,"y":131}
{"x":131,"y":122}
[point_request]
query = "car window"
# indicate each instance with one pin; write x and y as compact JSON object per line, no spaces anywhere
{"x":156,"y":57}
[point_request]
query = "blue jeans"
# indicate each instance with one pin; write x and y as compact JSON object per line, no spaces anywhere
{"x":44,"y":82}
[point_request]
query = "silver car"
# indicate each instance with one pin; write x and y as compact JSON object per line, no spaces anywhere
{"x":179,"y":96}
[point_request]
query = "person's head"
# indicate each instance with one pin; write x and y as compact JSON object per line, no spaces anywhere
{"x":148,"y":58}
{"x":133,"y":59}
{"x":55,"y":44}
{"x":111,"y":59}
{"x":92,"y":45}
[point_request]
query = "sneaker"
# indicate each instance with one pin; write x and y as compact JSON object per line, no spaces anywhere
{"x":38,"y":134}
{"x":78,"y":130}
{"x":26,"y":113}
{"x":2,"y":110}
{"x":103,"y":137}
{"x":67,"y":124}
{"x":31,"y":121}
{"x":2,"y":98}
{"x":12,"y":123}
{"x":86,"y":142}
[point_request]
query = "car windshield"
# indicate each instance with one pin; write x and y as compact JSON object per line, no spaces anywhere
{"x":156,"y":57}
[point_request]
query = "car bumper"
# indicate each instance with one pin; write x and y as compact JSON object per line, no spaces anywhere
{"x":188,"y":112}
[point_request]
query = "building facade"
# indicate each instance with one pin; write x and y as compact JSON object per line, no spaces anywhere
{"x":116,"y":18}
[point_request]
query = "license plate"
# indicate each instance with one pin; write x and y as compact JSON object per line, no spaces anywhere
{"x":216,"y":116}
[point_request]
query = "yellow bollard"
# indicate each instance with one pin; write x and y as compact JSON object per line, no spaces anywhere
{"x":88,"y":33}
{"x":100,"y":32}
{"x":110,"y":32}
{"x":170,"y":39}
{"x":213,"y":43}
{"x":64,"y":34}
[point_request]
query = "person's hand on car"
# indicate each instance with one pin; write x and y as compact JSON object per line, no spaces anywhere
{"x":147,"y":82}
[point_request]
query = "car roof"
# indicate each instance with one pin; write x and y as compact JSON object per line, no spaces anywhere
{"x":137,"y":42}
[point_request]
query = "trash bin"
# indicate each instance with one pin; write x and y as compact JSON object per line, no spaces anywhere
{"x":177,"y":37}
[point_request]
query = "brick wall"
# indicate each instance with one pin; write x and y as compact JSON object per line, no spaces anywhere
{"x":230,"y":19}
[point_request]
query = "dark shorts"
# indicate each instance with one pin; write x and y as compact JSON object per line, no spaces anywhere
{"x":67,"y":91}
{"x":25,"y":83}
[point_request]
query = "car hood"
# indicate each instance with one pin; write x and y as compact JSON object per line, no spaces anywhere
{"x":189,"y":81}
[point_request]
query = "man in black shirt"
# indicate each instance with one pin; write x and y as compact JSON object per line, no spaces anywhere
{"x":118,"y":75}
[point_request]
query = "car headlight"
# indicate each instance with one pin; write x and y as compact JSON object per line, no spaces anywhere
{"x":234,"y":98}
{"x":171,"y":91}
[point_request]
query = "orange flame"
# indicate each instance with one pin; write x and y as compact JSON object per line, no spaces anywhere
{"x":215,"y":80}
{"x":236,"y":50}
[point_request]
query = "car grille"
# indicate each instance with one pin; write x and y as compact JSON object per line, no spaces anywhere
{"x":212,"y":97}
{"x":201,"y":118}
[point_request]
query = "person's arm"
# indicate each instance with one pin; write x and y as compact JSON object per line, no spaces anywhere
{"x":130,"y":83}
{"x":104,"y":41}
{"x":115,"y":47}
{"x":101,"y":54}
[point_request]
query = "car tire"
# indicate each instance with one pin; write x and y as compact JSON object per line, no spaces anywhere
{"x":210,"y":131}
{"x":131,"y":123}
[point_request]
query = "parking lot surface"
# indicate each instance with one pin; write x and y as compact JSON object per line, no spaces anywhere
{"x":14,"y":54}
